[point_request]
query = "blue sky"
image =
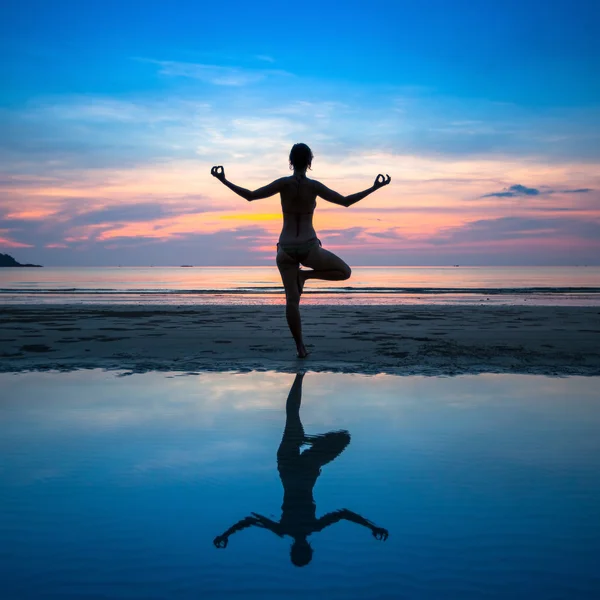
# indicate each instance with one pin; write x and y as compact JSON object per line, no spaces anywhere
{"x":110,"y":91}
{"x":535,"y":53}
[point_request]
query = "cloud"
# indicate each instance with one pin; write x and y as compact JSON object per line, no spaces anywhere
{"x":517,"y":190}
{"x":172,"y":231}
{"x":216,"y":74}
{"x":513,"y":191}
{"x":107,"y":109}
{"x":518,"y":228}
{"x":387,"y":234}
{"x":8,"y":243}
{"x":76,"y":227}
{"x":132,"y":213}
{"x":94,"y":131}
{"x":231,"y":247}
{"x":338,"y":237}
{"x":265,"y":58}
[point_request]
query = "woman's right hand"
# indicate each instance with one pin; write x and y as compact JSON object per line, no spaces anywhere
{"x":381,"y":182}
{"x":218,"y":172}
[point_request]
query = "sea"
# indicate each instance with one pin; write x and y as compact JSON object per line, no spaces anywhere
{"x":266,"y":485}
{"x":188,"y":285}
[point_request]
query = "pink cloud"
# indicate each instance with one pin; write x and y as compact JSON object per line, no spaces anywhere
{"x":5,"y":242}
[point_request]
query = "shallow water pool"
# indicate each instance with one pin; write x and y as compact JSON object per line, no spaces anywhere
{"x":267,"y":485}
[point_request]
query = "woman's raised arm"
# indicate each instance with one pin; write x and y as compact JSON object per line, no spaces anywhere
{"x":264,"y":192}
{"x":331,"y":196}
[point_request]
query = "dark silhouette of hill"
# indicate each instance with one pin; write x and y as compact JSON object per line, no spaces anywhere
{"x":6,"y":260}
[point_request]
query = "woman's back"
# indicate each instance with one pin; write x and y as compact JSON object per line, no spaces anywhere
{"x":298,"y":202}
{"x":298,"y":195}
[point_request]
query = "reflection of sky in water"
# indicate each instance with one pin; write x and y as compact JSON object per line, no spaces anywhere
{"x":116,"y":486}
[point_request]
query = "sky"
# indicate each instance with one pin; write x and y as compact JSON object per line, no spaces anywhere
{"x":485,"y":114}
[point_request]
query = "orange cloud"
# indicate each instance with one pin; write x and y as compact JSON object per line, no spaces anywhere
{"x":32,"y":214}
{"x":254,"y":217}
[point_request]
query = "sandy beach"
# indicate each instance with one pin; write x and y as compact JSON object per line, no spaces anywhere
{"x":427,"y":340}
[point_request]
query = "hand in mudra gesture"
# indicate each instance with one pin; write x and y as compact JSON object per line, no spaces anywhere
{"x":218,"y":172}
{"x":379,"y":533}
{"x":381,"y":182}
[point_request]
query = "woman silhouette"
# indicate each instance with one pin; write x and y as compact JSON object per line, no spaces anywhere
{"x":298,"y":241}
{"x":299,"y":472}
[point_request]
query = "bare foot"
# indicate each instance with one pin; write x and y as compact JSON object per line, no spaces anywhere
{"x":301,"y":280}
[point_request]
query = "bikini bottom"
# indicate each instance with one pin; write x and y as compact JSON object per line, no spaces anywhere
{"x":299,"y":252}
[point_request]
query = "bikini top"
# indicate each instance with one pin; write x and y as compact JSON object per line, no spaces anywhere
{"x":297,"y":181}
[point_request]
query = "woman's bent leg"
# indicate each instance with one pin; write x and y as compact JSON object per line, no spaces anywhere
{"x":325,"y":265}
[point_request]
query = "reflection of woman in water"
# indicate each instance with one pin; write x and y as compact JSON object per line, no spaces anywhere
{"x":299,"y":472}
{"x":298,"y":242}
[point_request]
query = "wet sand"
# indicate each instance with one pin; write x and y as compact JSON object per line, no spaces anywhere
{"x":427,"y":340}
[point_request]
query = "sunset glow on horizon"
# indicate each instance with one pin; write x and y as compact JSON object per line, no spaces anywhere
{"x":486,"y":117}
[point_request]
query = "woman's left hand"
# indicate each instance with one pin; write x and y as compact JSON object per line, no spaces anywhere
{"x":218,"y":172}
{"x":385,"y":180}
{"x":379,"y":533}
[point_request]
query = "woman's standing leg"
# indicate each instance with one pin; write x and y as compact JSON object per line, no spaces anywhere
{"x":288,"y":268}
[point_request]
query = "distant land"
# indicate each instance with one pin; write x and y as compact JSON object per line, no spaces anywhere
{"x":6,"y":260}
